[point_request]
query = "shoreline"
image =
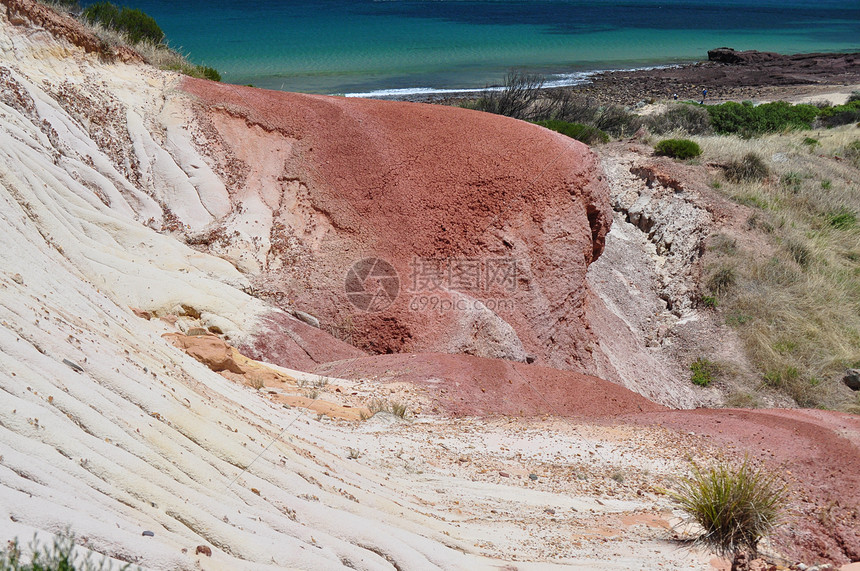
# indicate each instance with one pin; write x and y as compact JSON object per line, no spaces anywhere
{"x":755,"y":76}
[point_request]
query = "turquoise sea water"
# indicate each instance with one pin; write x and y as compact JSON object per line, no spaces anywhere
{"x":361,"y":46}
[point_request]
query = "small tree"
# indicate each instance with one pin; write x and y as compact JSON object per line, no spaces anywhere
{"x":736,"y":507}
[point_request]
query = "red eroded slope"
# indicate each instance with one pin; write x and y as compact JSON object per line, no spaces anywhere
{"x":407,"y":183}
{"x":465,"y":385}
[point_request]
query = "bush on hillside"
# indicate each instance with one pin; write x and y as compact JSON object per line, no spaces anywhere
{"x":565,"y":105}
{"x":735,"y":507}
{"x":839,"y":115}
{"x":852,"y":152}
{"x":210,"y":73}
{"x":842,"y":219}
{"x":750,"y":168}
{"x":678,"y":148}
{"x":703,"y":372}
{"x":585,"y":133}
{"x":516,"y":99}
{"x":692,"y":119}
{"x":750,"y":121}
{"x":67,"y":4}
{"x":131,"y":22}
{"x":523,"y":97}
{"x":617,"y":121}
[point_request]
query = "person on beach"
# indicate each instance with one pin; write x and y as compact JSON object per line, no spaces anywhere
{"x":704,"y":94}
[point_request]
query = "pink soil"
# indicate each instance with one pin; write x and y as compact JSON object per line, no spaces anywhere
{"x":465,"y":385}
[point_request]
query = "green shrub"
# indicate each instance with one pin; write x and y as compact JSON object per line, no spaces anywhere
{"x":750,"y":168}
{"x":692,"y":119}
{"x":585,"y":133}
{"x":749,"y":121}
{"x":211,"y":73}
{"x":839,"y":115}
{"x":103,"y":13}
{"x":855,"y":96}
{"x":678,"y":148}
{"x":703,"y":372}
{"x":735,"y":507}
{"x":133,"y":23}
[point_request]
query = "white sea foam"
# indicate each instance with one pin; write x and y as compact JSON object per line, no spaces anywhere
{"x":552,"y":80}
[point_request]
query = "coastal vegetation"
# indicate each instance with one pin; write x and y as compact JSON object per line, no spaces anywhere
{"x":678,"y":148}
{"x":137,"y":26}
{"x":585,"y":133}
{"x":523,"y":96}
{"x":122,"y":26}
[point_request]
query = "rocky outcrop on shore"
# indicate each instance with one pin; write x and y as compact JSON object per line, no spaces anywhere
{"x":727,"y":74}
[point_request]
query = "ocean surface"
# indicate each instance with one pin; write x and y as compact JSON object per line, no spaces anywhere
{"x":374,"y":47}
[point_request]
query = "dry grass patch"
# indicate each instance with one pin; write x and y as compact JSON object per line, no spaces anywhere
{"x":795,"y":303}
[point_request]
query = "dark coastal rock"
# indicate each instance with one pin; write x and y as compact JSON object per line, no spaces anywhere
{"x":728,"y":75}
{"x":731,"y":56}
{"x":852,"y":379}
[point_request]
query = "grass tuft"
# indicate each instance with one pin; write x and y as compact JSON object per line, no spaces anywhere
{"x":397,"y":408}
{"x":750,"y":168}
{"x":736,"y":507}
